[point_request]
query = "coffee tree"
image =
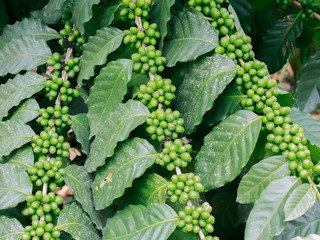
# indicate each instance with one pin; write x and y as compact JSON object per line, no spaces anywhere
{"x":162,"y":117}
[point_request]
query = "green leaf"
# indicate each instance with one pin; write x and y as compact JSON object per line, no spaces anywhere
{"x":267,"y":216}
{"x":13,"y":134}
{"x":138,"y":222}
{"x":190,"y":35}
{"x":279,"y":41}
{"x":285,"y":98}
{"x":259,"y":177}
{"x":28,"y":28}
{"x":52,"y":12}
{"x":299,"y":202}
{"x":226,"y":104}
{"x":161,"y":15}
{"x":80,"y":182}
{"x":130,"y":161}
{"x":151,"y":188}
{"x":23,"y":157}
{"x":227,"y":149}
{"x":108,"y":15}
{"x":18,"y":89}
{"x":308,"y":97}
{"x":244,"y":12}
{"x":15,"y":185}
{"x":75,"y":221}
{"x":103,"y":16}
{"x":309,"y":237}
{"x":81,"y":129}
{"x":178,"y":234}
{"x":24,"y":53}
{"x":307,"y":224}
{"x":206,"y":80}
{"x":82,"y":12}
{"x":236,"y":19}
{"x":117,"y":128}
{"x":96,"y":50}
{"x":27,"y":110}
{"x":315,"y":151}
{"x":311,"y":127}
{"x":108,"y":92}
{"x":4,"y":18}
{"x":11,"y":230}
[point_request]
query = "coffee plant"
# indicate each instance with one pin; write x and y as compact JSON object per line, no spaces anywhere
{"x":162,"y":117}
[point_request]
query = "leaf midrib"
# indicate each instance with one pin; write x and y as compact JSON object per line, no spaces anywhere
{"x":10,"y":234}
{"x":142,"y":229}
{"x":195,"y":39}
{"x":14,"y":189}
{"x":115,"y":132}
{"x":15,"y":94}
{"x":236,"y":136}
{"x":20,"y":162}
{"x":275,"y":210}
{"x":134,"y":159}
{"x":257,"y":185}
{"x":80,"y":123}
{"x":285,"y":36}
{"x":304,"y":195}
{"x":20,"y":136}
{"x":73,"y":223}
{"x":158,"y":189}
{"x":102,"y":48}
{"x":26,"y":54}
{"x":213,"y":77}
{"x":112,"y":92}
{"x":299,"y":226}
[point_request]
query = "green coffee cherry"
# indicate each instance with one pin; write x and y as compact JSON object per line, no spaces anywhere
{"x":174,"y":154}
{"x":193,"y":218}
{"x":184,"y":187}
{"x":165,"y":123}
{"x":157,"y":91}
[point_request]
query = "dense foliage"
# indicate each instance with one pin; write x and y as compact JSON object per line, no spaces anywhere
{"x":162,"y":118}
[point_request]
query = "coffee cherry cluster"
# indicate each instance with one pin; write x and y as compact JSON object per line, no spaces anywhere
{"x":72,"y":67}
{"x":55,"y":85}
{"x":253,"y":79}
{"x":175,"y":154}
{"x":222,"y":19}
{"x":136,"y":38}
{"x":54,"y":117}
{"x":236,"y":46}
{"x":70,"y":35}
{"x":289,"y":139}
{"x":139,"y":8}
{"x":184,"y":187}
{"x":284,"y":137}
{"x":47,"y":171}
{"x":193,"y":218}
{"x":148,"y":59}
{"x":49,"y":142}
{"x":55,"y":61}
{"x":308,"y":7}
{"x":157,"y":91}
{"x":164,"y":123}
{"x":43,"y":209}
{"x":67,"y":15}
